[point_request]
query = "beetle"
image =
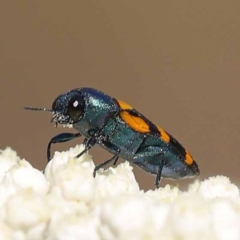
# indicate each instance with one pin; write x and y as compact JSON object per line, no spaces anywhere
{"x":121,"y":130}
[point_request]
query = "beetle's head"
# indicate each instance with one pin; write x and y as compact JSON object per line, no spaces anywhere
{"x":67,"y":108}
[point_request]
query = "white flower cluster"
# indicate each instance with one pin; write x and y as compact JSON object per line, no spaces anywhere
{"x":67,"y":203}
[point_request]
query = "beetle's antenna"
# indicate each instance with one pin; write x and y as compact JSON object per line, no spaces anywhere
{"x":38,"y":109}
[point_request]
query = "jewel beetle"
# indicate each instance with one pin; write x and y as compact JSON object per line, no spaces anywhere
{"x":121,"y":130}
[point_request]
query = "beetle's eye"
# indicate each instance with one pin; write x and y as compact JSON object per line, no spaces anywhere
{"x":75,"y":106}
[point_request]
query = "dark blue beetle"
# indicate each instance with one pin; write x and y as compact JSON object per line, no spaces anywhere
{"x":121,"y":130}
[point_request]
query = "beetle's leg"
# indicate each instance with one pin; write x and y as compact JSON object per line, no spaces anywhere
{"x":115,"y":162}
{"x":89,"y":143}
{"x":151,"y":159}
{"x":60,"y":138}
{"x":101,"y":165}
{"x":159,"y":174}
{"x":96,"y":135}
{"x":114,"y":158}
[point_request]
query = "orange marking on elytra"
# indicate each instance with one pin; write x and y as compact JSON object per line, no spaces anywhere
{"x":188,"y":158}
{"x":136,"y":123}
{"x":164,"y":136}
{"x":124,"y":106}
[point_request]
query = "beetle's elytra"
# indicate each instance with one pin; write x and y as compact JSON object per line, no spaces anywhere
{"x":122,"y":130}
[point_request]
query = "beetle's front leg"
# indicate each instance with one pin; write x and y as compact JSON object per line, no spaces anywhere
{"x":60,"y":138}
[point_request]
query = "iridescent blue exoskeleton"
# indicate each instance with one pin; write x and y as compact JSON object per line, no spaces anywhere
{"x":122,"y":131}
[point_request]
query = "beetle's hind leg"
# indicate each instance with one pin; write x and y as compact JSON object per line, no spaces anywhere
{"x":150,"y":159}
{"x":159,"y":173}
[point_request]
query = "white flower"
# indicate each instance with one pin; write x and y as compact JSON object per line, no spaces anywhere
{"x":226,"y":219}
{"x":132,"y":217}
{"x":8,"y":158}
{"x":27,"y":213}
{"x":219,"y":186}
{"x":66,"y":202}
{"x":23,"y":176}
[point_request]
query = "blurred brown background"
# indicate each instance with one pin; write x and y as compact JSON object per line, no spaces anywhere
{"x":178,"y":62}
